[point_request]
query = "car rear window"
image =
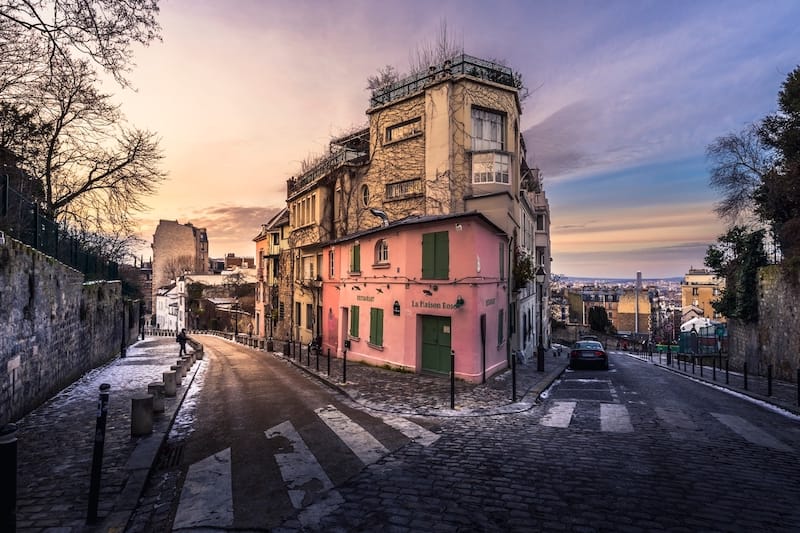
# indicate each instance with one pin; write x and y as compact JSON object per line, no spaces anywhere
{"x":588,"y":345}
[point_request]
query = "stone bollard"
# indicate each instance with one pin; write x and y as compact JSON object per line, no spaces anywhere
{"x":198,"y":352}
{"x":141,"y":415}
{"x":157,"y":390}
{"x":170,"y":384}
{"x":177,"y":370}
{"x":192,"y":357}
{"x":181,"y":367}
{"x":187,"y":363}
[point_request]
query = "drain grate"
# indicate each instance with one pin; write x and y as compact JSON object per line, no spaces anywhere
{"x":170,"y":456}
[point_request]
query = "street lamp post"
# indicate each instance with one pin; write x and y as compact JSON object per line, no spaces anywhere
{"x":540,"y":275}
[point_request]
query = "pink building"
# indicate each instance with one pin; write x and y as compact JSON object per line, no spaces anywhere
{"x":405,"y":294}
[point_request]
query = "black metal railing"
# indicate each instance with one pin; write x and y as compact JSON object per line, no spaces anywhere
{"x":23,"y":219}
{"x":460,"y":64}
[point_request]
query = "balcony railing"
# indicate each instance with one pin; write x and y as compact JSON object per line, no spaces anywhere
{"x":326,"y":165}
{"x":461,"y":64}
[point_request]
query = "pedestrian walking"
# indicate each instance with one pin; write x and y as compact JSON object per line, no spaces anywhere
{"x":181,"y":339}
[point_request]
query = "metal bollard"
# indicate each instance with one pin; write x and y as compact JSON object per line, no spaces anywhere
{"x":701,"y":367}
{"x":727,"y":374}
{"x":798,"y":386}
{"x":8,"y":477}
{"x":769,"y":380}
{"x":452,"y":379}
{"x":745,"y":375}
{"x":513,"y":374}
{"x":329,"y":362}
{"x":344,"y":366}
{"x":97,"y":455}
{"x":318,"y":350}
{"x":714,"y":369}
{"x":308,"y":355}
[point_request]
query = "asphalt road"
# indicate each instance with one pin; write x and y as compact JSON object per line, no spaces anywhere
{"x":635,"y":448}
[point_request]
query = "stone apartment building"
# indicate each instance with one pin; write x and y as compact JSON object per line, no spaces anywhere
{"x":177,"y":249}
{"x":442,"y":142}
{"x":271,"y":247}
{"x":699,"y":288}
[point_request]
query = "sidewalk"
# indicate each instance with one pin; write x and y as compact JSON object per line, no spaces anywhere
{"x":55,"y":444}
{"x":784,"y":395}
{"x":425,"y":395}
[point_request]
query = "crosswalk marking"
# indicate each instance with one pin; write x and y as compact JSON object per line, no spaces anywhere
{"x":679,"y":424}
{"x":362,"y":443}
{"x":207,"y":497}
{"x":751,"y":433}
{"x":560,"y":415}
{"x":413,"y":431}
{"x":304,"y":476}
{"x":615,"y":418}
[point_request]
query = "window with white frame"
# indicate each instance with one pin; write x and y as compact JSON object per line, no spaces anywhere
{"x":488,"y":130}
{"x":490,"y":167}
{"x":404,"y":130}
{"x":381,"y":252}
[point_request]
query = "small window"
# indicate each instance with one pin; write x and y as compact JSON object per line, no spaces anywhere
{"x":488,"y":130}
{"x":539,"y":222}
{"x":330,"y":264}
{"x":276,"y":239}
{"x":490,"y":167}
{"x":404,"y":130}
{"x":297,"y":314}
{"x":365,"y":195}
{"x":695,"y":291}
{"x":382,"y":251}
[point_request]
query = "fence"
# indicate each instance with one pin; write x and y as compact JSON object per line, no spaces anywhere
{"x":23,"y":220}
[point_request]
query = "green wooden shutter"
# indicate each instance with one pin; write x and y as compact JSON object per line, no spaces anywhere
{"x":442,"y":255}
{"x":354,"y":321}
{"x":500,"y":329}
{"x":355,"y":258}
{"x":376,"y":326}
{"x":428,"y":255}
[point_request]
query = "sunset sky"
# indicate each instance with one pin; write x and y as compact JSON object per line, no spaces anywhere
{"x":625,"y":97}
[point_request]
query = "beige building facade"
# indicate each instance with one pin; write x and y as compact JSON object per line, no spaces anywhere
{"x":442,"y":142}
{"x":178,"y":249}
{"x":699,"y":288}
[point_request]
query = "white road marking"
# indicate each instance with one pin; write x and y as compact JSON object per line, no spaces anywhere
{"x":207,"y":497}
{"x":751,"y":433}
{"x":305,"y":479}
{"x":680,"y":424}
{"x":559,"y":415}
{"x":614,"y":418}
{"x":413,"y":431}
{"x":365,"y":446}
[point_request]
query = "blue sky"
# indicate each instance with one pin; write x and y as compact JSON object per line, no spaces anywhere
{"x":625,"y":97}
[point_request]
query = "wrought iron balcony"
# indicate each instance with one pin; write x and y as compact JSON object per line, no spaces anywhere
{"x":325,"y":166}
{"x":461,"y":64}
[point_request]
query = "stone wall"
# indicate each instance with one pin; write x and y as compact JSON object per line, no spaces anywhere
{"x":775,"y":339}
{"x":53,"y":327}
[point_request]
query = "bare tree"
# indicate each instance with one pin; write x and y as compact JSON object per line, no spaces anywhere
{"x":102,"y":30}
{"x":94,"y":170}
{"x":175,"y":267}
{"x":444,"y":47}
{"x":740,"y":161}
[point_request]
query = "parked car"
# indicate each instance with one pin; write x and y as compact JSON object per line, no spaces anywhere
{"x":588,"y":352}
{"x":589,"y":338}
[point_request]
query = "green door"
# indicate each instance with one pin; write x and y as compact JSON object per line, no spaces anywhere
{"x":436,"y":344}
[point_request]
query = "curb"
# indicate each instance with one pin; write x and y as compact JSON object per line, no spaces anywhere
{"x":140,"y":464}
{"x":509,"y":408}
